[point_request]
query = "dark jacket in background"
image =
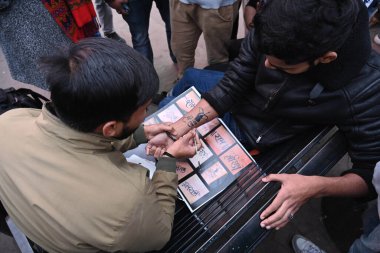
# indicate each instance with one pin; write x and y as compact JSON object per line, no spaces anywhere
{"x":273,"y":106}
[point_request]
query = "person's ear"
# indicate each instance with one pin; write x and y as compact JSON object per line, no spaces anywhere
{"x":112,"y":128}
{"x":328,"y":57}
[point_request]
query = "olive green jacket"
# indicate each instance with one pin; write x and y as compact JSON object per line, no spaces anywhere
{"x":70,"y":191}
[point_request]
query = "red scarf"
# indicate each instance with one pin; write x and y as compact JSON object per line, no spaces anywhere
{"x":75,"y":17}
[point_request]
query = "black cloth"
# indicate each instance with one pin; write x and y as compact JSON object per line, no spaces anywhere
{"x":253,"y":3}
{"x":272,"y":106}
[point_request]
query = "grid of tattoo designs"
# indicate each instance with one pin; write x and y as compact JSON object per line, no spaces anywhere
{"x":216,"y":165}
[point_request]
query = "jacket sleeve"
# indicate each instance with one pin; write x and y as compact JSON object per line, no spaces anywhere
{"x":239,"y":77}
{"x":149,"y":227}
{"x":362,"y":126}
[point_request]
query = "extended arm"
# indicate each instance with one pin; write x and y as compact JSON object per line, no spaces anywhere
{"x":297,"y":189}
{"x":200,"y":114}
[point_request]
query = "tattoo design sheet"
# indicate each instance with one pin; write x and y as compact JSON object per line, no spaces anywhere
{"x":216,"y":165}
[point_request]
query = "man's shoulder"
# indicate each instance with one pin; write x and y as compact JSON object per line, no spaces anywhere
{"x":20,"y":112}
{"x":19,"y":115}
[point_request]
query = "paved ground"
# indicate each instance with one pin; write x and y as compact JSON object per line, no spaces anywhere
{"x":309,"y":221}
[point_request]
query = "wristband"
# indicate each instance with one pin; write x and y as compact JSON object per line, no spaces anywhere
{"x":168,"y":154}
{"x":173,"y":137}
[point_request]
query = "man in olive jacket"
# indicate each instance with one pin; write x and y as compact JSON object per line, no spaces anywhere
{"x":63,"y":177}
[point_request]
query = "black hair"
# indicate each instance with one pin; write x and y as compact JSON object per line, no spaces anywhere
{"x":303,"y":30}
{"x":98,"y":80}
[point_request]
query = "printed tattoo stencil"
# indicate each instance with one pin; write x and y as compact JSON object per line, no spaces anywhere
{"x":188,"y":102}
{"x":235,"y":159}
{"x":202,"y":155}
{"x":220,"y":140}
{"x":213,"y":173}
{"x":171,"y":114}
{"x":205,"y":128}
{"x":193,"y":189}
{"x":183,"y":169}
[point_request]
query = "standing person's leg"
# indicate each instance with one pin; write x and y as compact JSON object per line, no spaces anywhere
{"x":106,"y":20}
{"x":164,"y":9}
{"x":138,"y":22}
{"x":217,"y":27}
{"x":185,"y":34}
{"x":369,"y":242}
{"x":105,"y":16}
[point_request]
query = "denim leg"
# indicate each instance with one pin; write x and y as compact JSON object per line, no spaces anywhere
{"x":105,"y":16}
{"x":164,"y":9}
{"x":203,"y":81}
{"x":138,"y":22}
{"x":369,"y":241}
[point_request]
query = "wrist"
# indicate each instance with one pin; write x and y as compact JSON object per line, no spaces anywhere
{"x":318,"y":187}
{"x":181,"y":128}
{"x":167,"y":154}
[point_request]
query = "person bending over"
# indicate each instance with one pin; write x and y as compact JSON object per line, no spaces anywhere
{"x":307,"y":63}
{"x":63,"y":177}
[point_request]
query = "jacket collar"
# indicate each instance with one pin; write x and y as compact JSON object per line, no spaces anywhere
{"x":85,"y":142}
{"x":352,"y":56}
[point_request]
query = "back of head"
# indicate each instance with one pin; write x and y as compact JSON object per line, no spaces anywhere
{"x":303,"y":30}
{"x":98,"y":80}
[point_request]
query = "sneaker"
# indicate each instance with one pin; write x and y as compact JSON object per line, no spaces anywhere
{"x":303,"y":245}
{"x":376,"y":39}
{"x":114,"y":36}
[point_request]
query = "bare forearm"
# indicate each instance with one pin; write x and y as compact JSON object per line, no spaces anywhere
{"x":200,"y":114}
{"x":349,"y":185}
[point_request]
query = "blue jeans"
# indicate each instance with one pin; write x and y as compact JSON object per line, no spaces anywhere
{"x":138,"y":22}
{"x":369,"y":241}
{"x":203,"y":81}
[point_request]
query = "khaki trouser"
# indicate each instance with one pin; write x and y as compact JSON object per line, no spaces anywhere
{"x":188,"y":21}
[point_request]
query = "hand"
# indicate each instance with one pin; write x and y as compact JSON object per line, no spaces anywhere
{"x":152,"y":131}
{"x":158,"y":144}
{"x":249,"y":14}
{"x":295,"y":191}
{"x":186,"y":146}
{"x":158,"y":138}
{"x":117,"y":5}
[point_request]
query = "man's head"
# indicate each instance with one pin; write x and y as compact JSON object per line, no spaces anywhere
{"x":298,"y":34}
{"x":100,"y":85}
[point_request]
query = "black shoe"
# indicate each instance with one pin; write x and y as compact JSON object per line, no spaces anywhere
{"x":114,"y":36}
{"x":159,"y":97}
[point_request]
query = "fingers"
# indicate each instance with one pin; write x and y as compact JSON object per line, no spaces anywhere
{"x":150,"y":149}
{"x":165,"y":127}
{"x":159,"y":152}
{"x":274,"y":177}
{"x":199,"y":143}
{"x":278,"y":218}
{"x":188,"y":137}
{"x":277,"y":202}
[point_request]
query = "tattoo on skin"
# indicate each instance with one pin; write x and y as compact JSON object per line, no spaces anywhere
{"x":192,"y":122}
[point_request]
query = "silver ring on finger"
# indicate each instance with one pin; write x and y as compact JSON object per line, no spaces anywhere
{"x":290,"y":217}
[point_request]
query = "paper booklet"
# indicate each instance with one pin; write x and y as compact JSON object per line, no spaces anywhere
{"x":216,"y":165}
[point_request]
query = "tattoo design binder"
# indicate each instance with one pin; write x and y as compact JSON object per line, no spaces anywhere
{"x":216,"y":165}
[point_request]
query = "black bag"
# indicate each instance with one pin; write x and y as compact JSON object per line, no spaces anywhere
{"x":21,"y":98}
